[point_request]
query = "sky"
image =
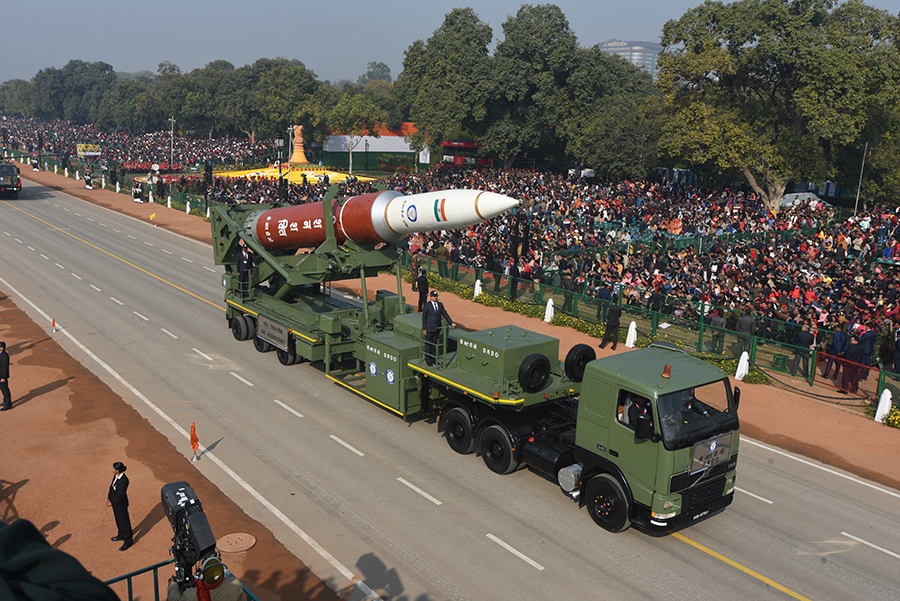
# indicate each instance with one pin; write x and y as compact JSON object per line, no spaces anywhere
{"x":336,"y":40}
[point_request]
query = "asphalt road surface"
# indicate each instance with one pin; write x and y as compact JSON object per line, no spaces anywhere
{"x":356,"y":492}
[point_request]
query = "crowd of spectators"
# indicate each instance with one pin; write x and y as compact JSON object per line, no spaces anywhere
{"x":798,"y":265}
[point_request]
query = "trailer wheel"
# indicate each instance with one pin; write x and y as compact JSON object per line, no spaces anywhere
{"x":458,"y":430}
{"x":262,"y":346}
{"x":251,"y":326}
{"x":607,"y":503}
{"x":497,"y":450}
{"x":239,"y":328}
{"x":287,"y":357}
{"x":534,"y":372}
{"x":577,"y":359}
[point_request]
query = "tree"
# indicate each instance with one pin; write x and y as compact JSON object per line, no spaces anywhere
{"x":281,"y":92}
{"x":356,"y":116}
{"x":445,"y":81}
{"x":531,"y":69}
{"x":768,"y":86}
{"x":375,"y":72}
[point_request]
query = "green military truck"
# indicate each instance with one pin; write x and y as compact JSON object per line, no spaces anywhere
{"x":648,"y":437}
{"x":10,"y":184}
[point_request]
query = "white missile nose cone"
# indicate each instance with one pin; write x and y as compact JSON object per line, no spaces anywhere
{"x":490,"y":204}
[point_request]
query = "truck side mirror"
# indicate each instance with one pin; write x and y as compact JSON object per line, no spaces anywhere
{"x":644,"y":427}
{"x":737,"y":397}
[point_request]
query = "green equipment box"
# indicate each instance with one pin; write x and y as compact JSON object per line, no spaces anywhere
{"x":497,"y":353}
{"x":388,"y":377}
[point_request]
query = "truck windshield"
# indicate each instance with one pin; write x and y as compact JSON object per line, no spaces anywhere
{"x":692,"y":415}
{"x":7,"y":170}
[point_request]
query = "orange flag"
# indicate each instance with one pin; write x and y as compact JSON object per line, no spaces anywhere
{"x":195,"y":442}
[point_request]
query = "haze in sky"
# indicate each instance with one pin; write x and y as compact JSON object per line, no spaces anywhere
{"x":336,"y":40}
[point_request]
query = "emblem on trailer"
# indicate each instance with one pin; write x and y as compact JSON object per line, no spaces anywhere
{"x":411,"y":213}
{"x":372,"y":368}
{"x":713,"y":445}
{"x":389,"y":376}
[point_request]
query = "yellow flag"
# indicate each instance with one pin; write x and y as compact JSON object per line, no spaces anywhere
{"x":153,"y":216}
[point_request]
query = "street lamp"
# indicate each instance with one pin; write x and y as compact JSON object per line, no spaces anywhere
{"x":279,"y":142}
{"x":863,"y":166}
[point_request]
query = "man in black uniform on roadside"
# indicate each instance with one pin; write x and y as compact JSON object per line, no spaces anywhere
{"x":432,"y":315}
{"x":613,"y":317}
{"x":421,"y":286}
{"x":4,"y":378}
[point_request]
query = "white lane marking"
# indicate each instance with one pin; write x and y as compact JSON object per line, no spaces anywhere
{"x":89,"y":219}
{"x":147,"y":243}
{"x":102,"y":225}
{"x":165,"y":331}
{"x":746,"y":492}
{"x":141,"y":316}
{"x":346,"y":573}
{"x":55,"y":205}
{"x":30,"y":248}
{"x":186,"y":259}
{"x":165,"y":251}
{"x":132,"y":237}
{"x":17,"y":240}
{"x":117,"y":231}
{"x":824,"y":469}
{"x":518,"y":554}
{"x":67,"y":210}
{"x":247,"y":382}
{"x":865,"y":542}
{"x":77,"y":214}
{"x":202,"y":354}
{"x":117,"y":301}
{"x":209,"y":269}
{"x":60,"y":266}
{"x":8,"y":234}
{"x":344,"y":444}
{"x":45,"y":256}
{"x":75,"y":275}
{"x":95,"y":288}
{"x":291,"y":409}
{"x":419,"y":490}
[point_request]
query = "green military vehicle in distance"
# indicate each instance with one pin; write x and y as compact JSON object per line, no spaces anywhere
{"x":10,"y":184}
{"x":648,"y":437}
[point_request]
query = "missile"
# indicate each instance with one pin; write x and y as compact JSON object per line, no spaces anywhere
{"x":376,"y":217}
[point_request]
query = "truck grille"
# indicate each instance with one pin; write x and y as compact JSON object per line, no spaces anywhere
{"x":702,"y":495}
{"x":684,"y":480}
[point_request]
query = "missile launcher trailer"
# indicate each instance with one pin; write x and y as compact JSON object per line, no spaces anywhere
{"x":647,"y":437}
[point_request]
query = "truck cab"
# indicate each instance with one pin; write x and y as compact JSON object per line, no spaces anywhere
{"x":10,"y":184}
{"x":657,"y":439}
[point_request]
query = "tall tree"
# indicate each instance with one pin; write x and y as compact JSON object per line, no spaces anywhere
{"x":765,"y":86}
{"x":531,"y":68}
{"x":444,"y":84}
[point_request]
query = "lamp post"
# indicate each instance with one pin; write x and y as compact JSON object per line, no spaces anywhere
{"x":279,"y":142}
{"x":863,"y":166}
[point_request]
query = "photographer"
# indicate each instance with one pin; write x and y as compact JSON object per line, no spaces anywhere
{"x":213,"y":583}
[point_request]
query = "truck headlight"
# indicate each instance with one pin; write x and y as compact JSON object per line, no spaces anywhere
{"x":662,"y":516}
{"x":729,"y":486}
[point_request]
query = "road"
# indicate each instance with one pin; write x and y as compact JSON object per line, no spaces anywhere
{"x":356,"y":492}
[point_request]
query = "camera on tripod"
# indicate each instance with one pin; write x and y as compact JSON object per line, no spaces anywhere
{"x":193,"y":540}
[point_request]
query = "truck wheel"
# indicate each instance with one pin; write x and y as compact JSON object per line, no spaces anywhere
{"x":497,"y":450}
{"x":458,"y":430}
{"x":577,"y":359}
{"x":262,"y":346}
{"x":239,"y":328}
{"x":607,"y":503}
{"x":534,"y":372}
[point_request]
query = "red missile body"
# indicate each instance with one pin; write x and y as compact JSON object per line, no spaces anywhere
{"x":376,"y":217}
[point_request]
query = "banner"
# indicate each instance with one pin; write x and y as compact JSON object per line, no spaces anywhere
{"x":87,"y":150}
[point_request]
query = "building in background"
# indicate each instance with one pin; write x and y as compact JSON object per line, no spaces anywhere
{"x":640,"y":54}
{"x":389,"y":147}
